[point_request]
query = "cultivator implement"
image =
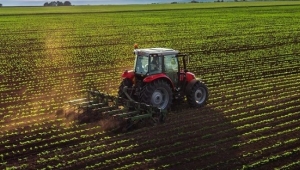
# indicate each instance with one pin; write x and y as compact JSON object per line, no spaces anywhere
{"x":98,"y":105}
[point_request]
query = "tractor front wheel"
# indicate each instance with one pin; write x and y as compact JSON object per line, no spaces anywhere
{"x":157,"y":93}
{"x":198,"y":95}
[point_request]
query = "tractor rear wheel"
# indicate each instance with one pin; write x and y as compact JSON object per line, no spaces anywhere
{"x":126,"y":82}
{"x":157,"y":93}
{"x":198,"y":95}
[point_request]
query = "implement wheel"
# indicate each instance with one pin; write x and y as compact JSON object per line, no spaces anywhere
{"x":198,"y":95}
{"x":157,"y":93}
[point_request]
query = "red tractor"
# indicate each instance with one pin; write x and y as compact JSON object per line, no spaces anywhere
{"x":160,"y":77}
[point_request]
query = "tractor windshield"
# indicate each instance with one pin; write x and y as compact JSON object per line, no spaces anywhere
{"x":141,"y":64}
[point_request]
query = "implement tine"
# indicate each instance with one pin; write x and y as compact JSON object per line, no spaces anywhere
{"x":101,"y":97}
{"x":76,"y":101}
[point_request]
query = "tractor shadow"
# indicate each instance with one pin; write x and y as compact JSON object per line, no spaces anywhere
{"x":213,"y":139}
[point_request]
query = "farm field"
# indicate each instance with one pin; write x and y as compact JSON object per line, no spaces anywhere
{"x":249,"y":57}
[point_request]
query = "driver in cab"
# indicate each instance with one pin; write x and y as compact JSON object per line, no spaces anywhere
{"x":154,"y":66}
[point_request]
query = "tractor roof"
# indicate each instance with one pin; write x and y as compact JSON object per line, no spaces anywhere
{"x":163,"y":51}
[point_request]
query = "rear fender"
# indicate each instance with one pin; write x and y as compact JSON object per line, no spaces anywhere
{"x":190,"y":76}
{"x":151,"y":78}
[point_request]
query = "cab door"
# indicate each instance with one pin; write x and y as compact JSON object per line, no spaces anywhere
{"x":171,"y":68}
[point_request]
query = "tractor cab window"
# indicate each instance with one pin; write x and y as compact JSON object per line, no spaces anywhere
{"x":171,"y":67}
{"x":141,"y":64}
{"x":171,"y":63}
{"x":155,"y":64}
{"x":148,"y":64}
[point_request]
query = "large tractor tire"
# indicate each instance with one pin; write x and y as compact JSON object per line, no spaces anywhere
{"x":157,"y":93}
{"x":198,"y":95}
{"x":126,"y":82}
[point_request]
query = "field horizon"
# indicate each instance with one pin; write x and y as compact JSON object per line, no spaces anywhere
{"x":137,"y":7}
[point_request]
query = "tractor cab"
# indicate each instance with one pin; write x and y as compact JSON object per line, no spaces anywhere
{"x":151,"y":61}
{"x":158,"y":61}
{"x":160,"y":76}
